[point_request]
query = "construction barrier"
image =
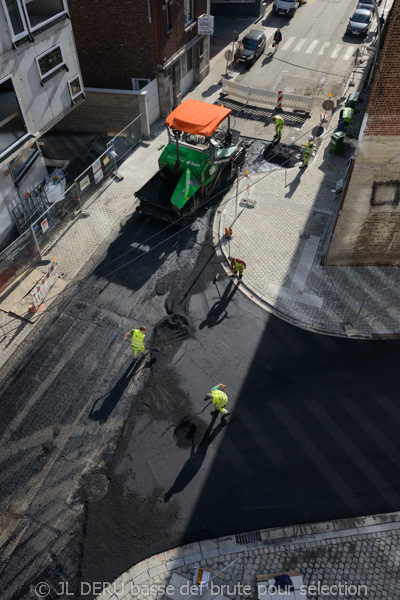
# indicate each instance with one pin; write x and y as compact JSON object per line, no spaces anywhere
{"x":285,"y":101}
{"x":45,"y":284}
{"x":279,"y":103}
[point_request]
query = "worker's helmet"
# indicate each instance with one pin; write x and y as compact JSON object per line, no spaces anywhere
{"x":310,"y":139}
{"x":207,"y":397}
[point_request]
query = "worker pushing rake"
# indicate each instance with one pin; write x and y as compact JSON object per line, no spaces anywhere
{"x":238,"y":265}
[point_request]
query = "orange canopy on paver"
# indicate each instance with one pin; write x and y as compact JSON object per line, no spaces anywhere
{"x":199,"y":118}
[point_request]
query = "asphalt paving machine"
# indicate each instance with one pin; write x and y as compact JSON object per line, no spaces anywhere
{"x":202,"y":152}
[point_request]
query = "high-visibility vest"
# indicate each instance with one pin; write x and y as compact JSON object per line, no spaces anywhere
{"x":279,"y":121}
{"x":137,"y":338}
{"x":347,"y":114}
{"x":308,"y":149}
{"x":238,"y":266}
{"x":219,"y":398}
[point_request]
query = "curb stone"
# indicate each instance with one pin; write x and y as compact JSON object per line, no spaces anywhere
{"x":350,"y":530}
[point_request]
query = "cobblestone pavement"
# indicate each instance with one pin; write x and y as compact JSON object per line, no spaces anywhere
{"x":282,"y":228}
{"x":351,"y":558}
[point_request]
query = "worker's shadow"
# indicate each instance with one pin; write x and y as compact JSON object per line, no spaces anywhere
{"x":218,"y":312}
{"x":101,"y":412}
{"x":196,"y":459}
{"x":293,"y":185}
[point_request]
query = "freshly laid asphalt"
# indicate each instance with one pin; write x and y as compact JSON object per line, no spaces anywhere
{"x":312,"y":435}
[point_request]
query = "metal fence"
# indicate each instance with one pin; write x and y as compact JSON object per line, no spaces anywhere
{"x":49,"y":224}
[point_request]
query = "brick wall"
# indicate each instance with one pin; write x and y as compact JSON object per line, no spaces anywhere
{"x":115,"y":41}
{"x":178,"y":37}
{"x":102,"y":112}
{"x":367,"y":230}
{"x":384,"y":104}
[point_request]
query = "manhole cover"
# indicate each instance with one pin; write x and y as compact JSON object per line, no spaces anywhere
{"x":95,"y":486}
{"x":328,"y":104}
{"x":317,"y":131}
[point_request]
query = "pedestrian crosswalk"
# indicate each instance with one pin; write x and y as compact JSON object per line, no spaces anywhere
{"x":311,"y":46}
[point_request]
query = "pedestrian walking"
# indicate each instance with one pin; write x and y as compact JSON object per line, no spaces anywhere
{"x":382,"y":23}
{"x":279,"y":122}
{"x":238,"y":266}
{"x":219,"y":399}
{"x":137,"y":339}
{"x":277,"y":39}
{"x":308,"y":150}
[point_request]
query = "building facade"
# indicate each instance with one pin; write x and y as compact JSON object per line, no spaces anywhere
{"x":133,"y":48}
{"x":40,"y":83}
{"x":368,"y":228}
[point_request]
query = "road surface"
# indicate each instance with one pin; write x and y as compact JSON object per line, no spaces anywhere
{"x":104,"y":464}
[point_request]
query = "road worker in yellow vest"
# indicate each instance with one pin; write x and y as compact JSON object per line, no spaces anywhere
{"x":279,"y":122}
{"x":308,"y":150}
{"x":237,"y":265}
{"x":137,"y":339}
{"x":219,"y":399}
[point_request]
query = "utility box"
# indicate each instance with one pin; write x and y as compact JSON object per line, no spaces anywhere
{"x":352,"y":100}
{"x":337,"y":142}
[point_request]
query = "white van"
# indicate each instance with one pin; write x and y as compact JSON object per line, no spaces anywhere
{"x":286,"y":7}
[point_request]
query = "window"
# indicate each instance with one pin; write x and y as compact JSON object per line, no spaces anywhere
{"x":27,"y":16}
{"x":50,"y":61}
{"x":14,"y":15}
{"x":139,"y":84}
{"x":168,"y":15}
{"x":41,"y":12}
{"x":188,"y":12}
{"x":21,"y":165}
{"x":13,"y":130}
{"x":186,"y":63}
{"x":75,"y":87}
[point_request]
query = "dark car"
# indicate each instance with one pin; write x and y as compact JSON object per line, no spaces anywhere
{"x":367,"y":5}
{"x":250,"y":47}
{"x":360,"y":22}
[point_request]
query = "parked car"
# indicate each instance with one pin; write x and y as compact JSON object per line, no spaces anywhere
{"x":251,"y":47}
{"x":367,"y":5}
{"x":359,"y":23}
{"x":286,"y":7}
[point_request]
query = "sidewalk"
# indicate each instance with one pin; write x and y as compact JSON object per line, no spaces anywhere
{"x":282,"y":233}
{"x":283,"y":270}
{"x":349,"y":558}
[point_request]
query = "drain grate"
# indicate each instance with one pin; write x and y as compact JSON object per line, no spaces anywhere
{"x":245,"y":538}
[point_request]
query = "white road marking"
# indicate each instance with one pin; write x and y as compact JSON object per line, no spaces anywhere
{"x":349,"y":53}
{"x":312,"y":46}
{"x":287,"y":44}
{"x":325,"y":45}
{"x":269,"y":31}
{"x":336,"y":51}
{"x":300,"y":45}
{"x":305,"y":263}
